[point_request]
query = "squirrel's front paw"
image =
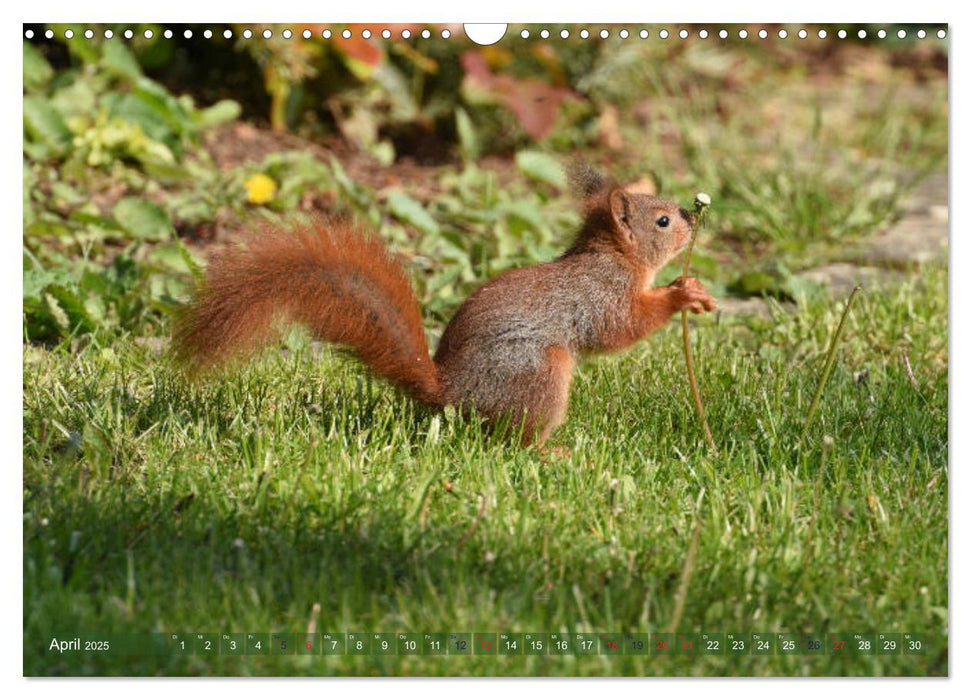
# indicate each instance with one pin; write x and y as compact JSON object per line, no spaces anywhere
{"x":691,"y":294}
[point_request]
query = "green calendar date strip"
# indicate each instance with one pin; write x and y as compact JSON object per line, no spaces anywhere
{"x":686,"y":644}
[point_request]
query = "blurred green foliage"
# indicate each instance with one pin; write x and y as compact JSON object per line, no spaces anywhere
{"x":92,"y":131}
{"x":803,"y":146}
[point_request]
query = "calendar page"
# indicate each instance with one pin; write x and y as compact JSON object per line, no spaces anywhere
{"x":431,"y":349}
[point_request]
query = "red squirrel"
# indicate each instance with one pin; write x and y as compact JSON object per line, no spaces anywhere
{"x":510,"y":349}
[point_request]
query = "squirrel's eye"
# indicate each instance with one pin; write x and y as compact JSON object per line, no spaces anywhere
{"x":663,"y":222}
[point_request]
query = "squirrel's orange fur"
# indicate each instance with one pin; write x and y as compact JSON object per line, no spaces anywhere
{"x":337,"y":282}
{"x":509,"y":351}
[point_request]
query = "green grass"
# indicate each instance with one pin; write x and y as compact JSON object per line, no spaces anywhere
{"x":151,"y":505}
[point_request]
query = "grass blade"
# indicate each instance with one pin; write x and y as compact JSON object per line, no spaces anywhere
{"x":828,"y":366}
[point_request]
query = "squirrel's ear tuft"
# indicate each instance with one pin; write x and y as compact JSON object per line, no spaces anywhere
{"x":585,"y":180}
{"x":620,"y":210}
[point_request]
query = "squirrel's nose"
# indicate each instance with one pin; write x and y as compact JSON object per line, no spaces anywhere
{"x":688,"y":216}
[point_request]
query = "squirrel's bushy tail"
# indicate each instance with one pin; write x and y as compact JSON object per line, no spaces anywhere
{"x":339,"y":283}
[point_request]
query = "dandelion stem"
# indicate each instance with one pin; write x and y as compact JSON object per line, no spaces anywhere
{"x":702,"y":202}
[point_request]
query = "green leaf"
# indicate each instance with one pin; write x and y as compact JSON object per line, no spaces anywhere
{"x":37,"y":279}
{"x":525,"y":213}
{"x":143,"y":220}
{"x":30,"y":181}
{"x":166,"y":105}
{"x":219,"y":113}
{"x":468,"y":137}
{"x":39,"y":323}
{"x":158,"y":166}
{"x":195,"y":266}
{"x":116,"y":57}
{"x":383,"y":152}
{"x":542,"y":168}
{"x":397,"y":91}
{"x":158,"y":113}
{"x":87,"y":216}
{"x":175,"y":257}
{"x":63,"y":194}
{"x":410,"y":211}
{"x":130,"y":108}
{"x":79,"y":99}
{"x":350,"y":188}
{"x":96,"y":309}
{"x":35,"y":151}
{"x":84,"y":51}
{"x":67,"y":310}
{"x":44,"y":123}
{"x":37,"y":71}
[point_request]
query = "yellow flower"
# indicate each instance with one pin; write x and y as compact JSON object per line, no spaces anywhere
{"x":260,"y":188}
